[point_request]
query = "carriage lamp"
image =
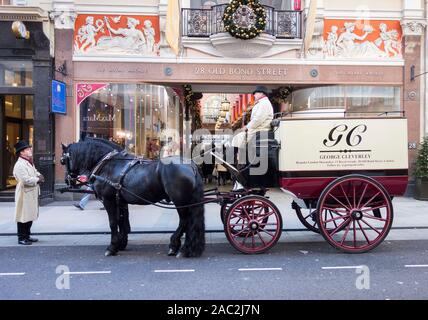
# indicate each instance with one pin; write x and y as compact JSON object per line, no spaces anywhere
{"x":297,"y":5}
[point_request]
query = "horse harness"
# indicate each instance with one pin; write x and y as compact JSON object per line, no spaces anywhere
{"x":116,"y":185}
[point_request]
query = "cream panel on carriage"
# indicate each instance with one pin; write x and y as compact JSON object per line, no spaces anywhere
{"x":343,"y":144}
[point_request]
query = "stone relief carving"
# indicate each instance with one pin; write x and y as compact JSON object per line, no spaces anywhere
{"x":380,"y":42}
{"x":117,"y":35}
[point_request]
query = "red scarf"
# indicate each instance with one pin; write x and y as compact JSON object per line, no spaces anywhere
{"x":27,"y":159}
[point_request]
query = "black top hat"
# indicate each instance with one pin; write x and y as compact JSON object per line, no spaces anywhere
{"x":262,"y":89}
{"x":21,"y":145}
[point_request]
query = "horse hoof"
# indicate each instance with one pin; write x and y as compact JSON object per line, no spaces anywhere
{"x":110,"y":253}
{"x":172,"y":252}
{"x":180,"y":255}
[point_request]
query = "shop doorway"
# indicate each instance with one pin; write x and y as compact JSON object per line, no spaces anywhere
{"x":16,"y":124}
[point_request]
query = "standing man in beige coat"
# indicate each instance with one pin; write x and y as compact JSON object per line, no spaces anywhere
{"x":27,"y":192}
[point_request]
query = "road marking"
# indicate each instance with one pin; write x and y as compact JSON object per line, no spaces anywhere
{"x":260,"y":269}
{"x":12,"y":274}
{"x":416,"y":265}
{"x":183,"y":270}
{"x":344,"y":267}
{"x":87,"y":272}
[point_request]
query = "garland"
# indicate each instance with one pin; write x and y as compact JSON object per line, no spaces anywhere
{"x":233,"y":26}
{"x":191,"y":101}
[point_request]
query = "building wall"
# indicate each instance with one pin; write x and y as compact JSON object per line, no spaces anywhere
{"x":163,"y":66}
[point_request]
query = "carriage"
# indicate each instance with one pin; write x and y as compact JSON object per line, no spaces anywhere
{"x":342,"y":173}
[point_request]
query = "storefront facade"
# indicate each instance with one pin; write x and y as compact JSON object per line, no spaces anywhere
{"x":25,"y":76}
{"x":126,"y":82}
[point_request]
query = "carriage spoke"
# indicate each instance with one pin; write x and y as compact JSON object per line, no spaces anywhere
{"x":337,"y":218}
{"x":339,"y":201}
{"x":345,"y":235}
{"x":365,"y":205}
{"x":346,"y":196}
{"x":239,"y":233}
{"x":245,"y":238}
{"x":355,"y":234}
{"x":374,"y":218}
{"x":336,"y":211}
{"x":331,"y":215}
{"x":259,"y":219}
{"x":263,"y":230}
{"x":362,"y":195}
{"x":374,"y":229}
{"x":354,"y":197}
{"x":374,"y":208}
{"x":333,"y":232}
{"x":264,"y":243}
{"x":364,"y":233}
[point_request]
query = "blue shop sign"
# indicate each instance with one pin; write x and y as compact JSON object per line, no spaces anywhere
{"x":59,"y":97}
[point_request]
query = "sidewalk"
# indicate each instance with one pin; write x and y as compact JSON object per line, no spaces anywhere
{"x":72,"y":223}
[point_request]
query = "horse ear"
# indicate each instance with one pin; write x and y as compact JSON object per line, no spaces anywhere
{"x":64,"y":147}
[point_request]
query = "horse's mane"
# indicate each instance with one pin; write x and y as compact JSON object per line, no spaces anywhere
{"x":109,"y":143}
{"x":89,"y":151}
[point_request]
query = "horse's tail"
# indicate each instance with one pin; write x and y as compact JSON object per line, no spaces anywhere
{"x":196,"y":221}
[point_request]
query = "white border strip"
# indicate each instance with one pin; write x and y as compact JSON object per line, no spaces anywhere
{"x":169,"y":271}
{"x":87,"y":272}
{"x":260,"y":269}
{"x":344,"y":267}
{"x":12,"y":274}
{"x":416,"y":266}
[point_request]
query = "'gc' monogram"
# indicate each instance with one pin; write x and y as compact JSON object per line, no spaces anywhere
{"x":353,"y":136}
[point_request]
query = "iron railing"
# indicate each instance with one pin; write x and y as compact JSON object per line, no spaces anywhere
{"x":206,"y":22}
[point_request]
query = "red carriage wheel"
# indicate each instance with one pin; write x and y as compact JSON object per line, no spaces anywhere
{"x":308,"y":217}
{"x":361,"y":213}
{"x":253,"y":224}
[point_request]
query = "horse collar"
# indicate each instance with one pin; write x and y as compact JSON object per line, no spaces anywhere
{"x":108,"y":156}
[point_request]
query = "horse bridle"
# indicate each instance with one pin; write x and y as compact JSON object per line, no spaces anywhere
{"x":72,"y":179}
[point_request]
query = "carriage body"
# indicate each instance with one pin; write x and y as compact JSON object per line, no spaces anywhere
{"x":342,"y":173}
{"x":315,"y":152}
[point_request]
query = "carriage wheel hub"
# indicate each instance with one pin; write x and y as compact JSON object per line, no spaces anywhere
{"x":357,"y":215}
{"x":254,"y":225}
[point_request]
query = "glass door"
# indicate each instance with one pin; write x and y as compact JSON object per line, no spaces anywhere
{"x":16,"y":124}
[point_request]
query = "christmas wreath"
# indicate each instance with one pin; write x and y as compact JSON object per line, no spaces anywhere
{"x":244,"y":19}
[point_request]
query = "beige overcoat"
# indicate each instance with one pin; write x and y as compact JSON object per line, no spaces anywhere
{"x":27,"y":191}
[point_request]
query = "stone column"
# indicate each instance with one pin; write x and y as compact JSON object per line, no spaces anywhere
{"x":413,"y":26}
{"x":64,"y":15}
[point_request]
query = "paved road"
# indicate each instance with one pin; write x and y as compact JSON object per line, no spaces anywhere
{"x":397,"y":270}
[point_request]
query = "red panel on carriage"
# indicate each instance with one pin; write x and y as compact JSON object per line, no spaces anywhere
{"x":312,"y":187}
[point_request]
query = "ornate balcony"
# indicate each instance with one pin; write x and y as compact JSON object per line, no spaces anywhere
{"x":207,"y":22}
{"x":283,"y":28}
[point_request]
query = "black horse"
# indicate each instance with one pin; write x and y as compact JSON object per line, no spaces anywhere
{"x":143,"y":182}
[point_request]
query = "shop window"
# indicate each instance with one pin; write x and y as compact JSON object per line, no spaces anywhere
{"x":330,"y":97}
{"x":16,"y":73}
{"x":29,"y":113}
{"x":13,"y":106}
{"x":355,"y":100}
{"x":141,"y":117}
{"x":372,"y":99}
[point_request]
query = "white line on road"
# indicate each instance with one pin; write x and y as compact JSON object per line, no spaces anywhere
{"x":184,"y":270}
{"x":260,"y":269}
{"x":344,"y":267}
{"x":12,"y":274}
{"x":87,"y":272}
{"x":416,"y":265}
